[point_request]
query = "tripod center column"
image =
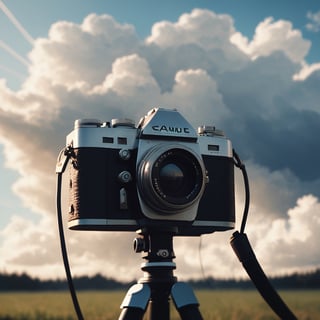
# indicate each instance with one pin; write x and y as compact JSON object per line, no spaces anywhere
{"x":157,"y":250}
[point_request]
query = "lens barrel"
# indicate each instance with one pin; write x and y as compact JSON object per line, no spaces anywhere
{"x":171,"y":178}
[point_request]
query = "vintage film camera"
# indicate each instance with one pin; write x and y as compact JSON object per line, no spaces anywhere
{"x":158,"y":174}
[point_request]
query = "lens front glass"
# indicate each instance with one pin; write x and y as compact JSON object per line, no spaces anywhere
{"x":172,"y":178}
{"x":177,"y":176}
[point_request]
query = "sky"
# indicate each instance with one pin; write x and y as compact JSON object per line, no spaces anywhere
{"x":251,"y":69}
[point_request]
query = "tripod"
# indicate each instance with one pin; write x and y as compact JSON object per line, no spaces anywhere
{"x":154,"y":289}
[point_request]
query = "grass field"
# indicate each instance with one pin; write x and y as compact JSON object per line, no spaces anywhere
{"x":98,"y":305}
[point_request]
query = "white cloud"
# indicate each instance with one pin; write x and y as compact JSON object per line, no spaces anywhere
{"x":25,"y":105}
{"x":294,"y":239}
{"x":201,"y":27}
{"x":99,"y":69}
{"x":29,"y":247}
{"x":306,"y":71}
{"x":314,"y":21}
{"x":194,"y":89}
{"x":130,"y":76}
{"x":271,"y":36}
{"x":58,"y":59}
{"x":200,"y":39}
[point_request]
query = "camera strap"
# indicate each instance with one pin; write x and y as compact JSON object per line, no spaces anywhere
{"x":61,"y":165}
{"x":242,"y":248}
{"x":244,"y":251}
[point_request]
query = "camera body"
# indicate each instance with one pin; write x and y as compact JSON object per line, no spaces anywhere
{"x":160,"y":174}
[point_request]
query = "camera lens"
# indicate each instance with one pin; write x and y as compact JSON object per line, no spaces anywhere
{"x":171,"y":179}
{"x":174,"y":176}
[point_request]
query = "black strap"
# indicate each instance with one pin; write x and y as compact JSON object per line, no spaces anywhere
{"x":244,"y":251}
{"x":62,"y":162}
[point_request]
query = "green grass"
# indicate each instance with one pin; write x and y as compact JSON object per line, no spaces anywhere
{"x":96,"y":305}
{"x":244,"y":305}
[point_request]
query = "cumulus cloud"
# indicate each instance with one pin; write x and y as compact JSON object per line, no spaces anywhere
{"x":271,"y":36}
{"x":204,"y":67}
{"x":201,"y":27}
{"x":300,"y":230}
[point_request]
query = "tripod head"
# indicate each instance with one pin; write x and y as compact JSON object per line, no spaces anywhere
{"x":156,"y":243}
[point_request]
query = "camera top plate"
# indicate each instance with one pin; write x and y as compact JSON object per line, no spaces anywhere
{"x":162,"y":123}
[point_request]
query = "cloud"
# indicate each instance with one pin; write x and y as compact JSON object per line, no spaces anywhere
{"x":57,"y":60}
{"x":314,"y":21}
{"x":201,"y":27}
{"x":100,"y":69}
{"x":290,"y":236}
{"x":271,"y":36}
{"x":30,"y":247}
{"x":306,"y":71}
{"x":198,"y":40}
{"x":130,"y":77}
{"x":272,"y":118}
{"x":193,"y":89}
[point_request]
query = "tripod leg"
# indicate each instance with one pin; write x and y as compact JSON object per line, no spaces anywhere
{"x":135,"y":302}
{"x":158,"y":308}
{"x":185,"y":301}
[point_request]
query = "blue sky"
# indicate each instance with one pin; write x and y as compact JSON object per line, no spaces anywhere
{"x":252,"y":67}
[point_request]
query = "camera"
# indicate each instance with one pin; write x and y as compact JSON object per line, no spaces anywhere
{"x":159,"y":174}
